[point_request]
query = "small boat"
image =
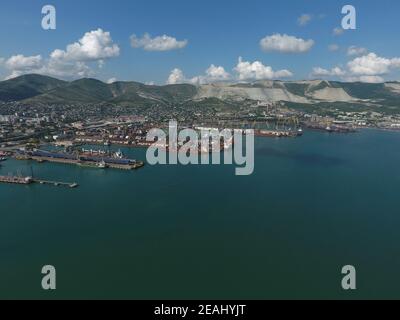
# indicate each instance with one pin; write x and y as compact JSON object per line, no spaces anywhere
{"x":300,"y":132}
{"x":3,"y":159}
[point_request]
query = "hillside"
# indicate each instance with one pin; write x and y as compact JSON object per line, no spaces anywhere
{"x":36,"y":89}
{"x":27,"y":86}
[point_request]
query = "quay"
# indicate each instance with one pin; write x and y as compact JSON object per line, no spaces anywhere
{"x":278,"y":133}
{"x":56,"y":183}
{"x":16,"y":180}
{"x":84,"y":161}
{"x":30,"y":180}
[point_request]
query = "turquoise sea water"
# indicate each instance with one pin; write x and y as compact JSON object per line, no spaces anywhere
{"x":313,"y":205}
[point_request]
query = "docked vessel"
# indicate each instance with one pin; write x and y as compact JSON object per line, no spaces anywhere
{"x":16,"y":180}
{"x":96,"y":165}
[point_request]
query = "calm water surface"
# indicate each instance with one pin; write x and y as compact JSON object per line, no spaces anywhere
{"x":313,"y":205}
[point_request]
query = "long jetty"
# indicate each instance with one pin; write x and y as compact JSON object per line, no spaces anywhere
{"x":56,"y":183}
{"x":30,"y":180}
{"x":44,"y":156}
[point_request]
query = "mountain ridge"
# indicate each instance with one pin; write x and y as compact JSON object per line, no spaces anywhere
{"x":38,"y":89}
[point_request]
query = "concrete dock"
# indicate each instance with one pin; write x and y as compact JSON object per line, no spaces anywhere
{"x":56,"y":183}
{"x":30,"y":180}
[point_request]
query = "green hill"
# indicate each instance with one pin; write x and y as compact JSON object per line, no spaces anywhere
{"x":37,"y":89}
{"x":80,"y":91}
{"x":27,"y":86}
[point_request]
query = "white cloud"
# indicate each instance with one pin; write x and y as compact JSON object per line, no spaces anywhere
{"x":112,"y":80}
{"x":244,"y":71}
{"x":20,"y":62}
{"x":333,"y":47}
{"x":161,"y":43}
{"x":66,"y":69}
{"x":356,"y":51}
{"x":286,"y":44}
{"x":368,"y":68}
{"x":334,"y":72}
{"x":94,"y":46}
{"x":176,"y":77}
{"x":258,"y":71}
{"x":304,"y":19}
{"x":217,"y":73}
{"x":212,"y":74}
{"x":338,"y":31}
{"x":371,"y":65}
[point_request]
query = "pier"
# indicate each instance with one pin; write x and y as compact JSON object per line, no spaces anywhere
{"x":71,"y":159}
{"x":16,"y":180}
{"x":30,"y":180}
{"x":56,"y":183}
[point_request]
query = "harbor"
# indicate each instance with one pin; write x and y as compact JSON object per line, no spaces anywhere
{"x":116,"y":218}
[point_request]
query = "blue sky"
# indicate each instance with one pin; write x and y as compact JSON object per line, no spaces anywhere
{"x":217,"y":33}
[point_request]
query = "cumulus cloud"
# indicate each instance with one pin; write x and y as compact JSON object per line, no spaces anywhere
{"x":257,"y":71}
{"x":368,"y":68}
{"x":66,"y":69}
{"x":286,"y":44}
{"x":304,"y":19}
{"x":356,"y":51}
{"x":176,"y":77}
{"x":212,"y":74}
{"x":20,"y":62}
{"x":95,"y":46}
{"x":334,"y":72}
{"x":160,"y":43}
{"x":244,"y":71}
{"x":372,"y":65}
